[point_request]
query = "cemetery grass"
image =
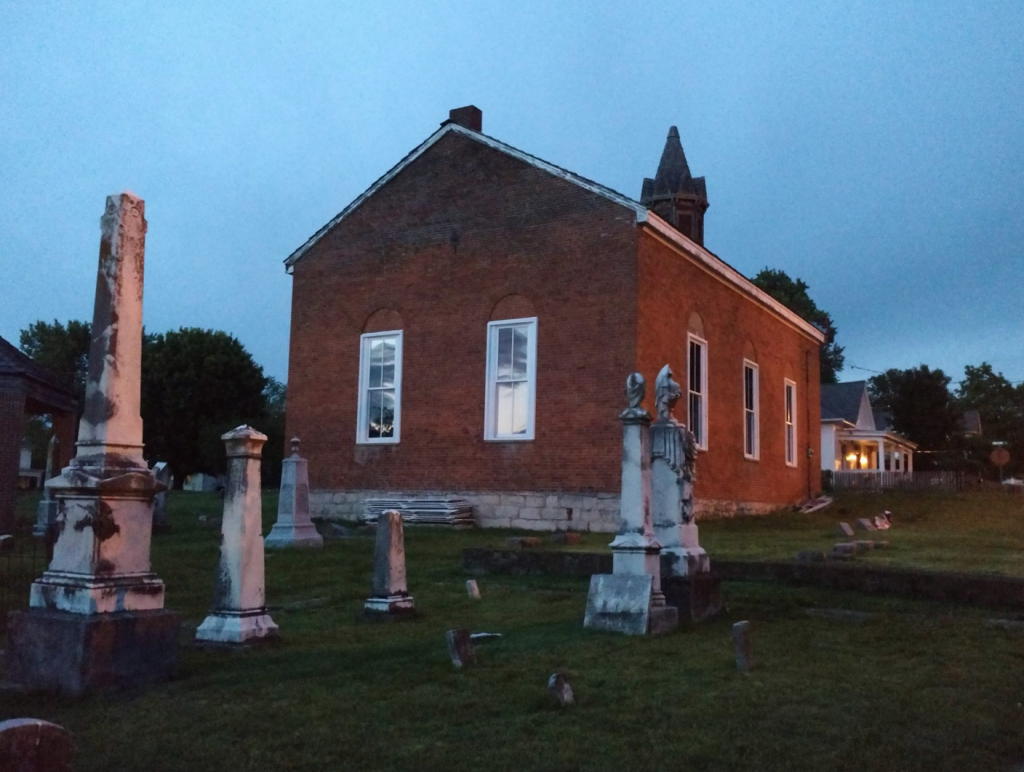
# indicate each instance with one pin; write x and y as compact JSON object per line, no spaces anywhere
{"x":914,"y":686}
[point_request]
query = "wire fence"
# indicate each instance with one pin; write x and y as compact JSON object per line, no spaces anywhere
{"x":22,"y":560}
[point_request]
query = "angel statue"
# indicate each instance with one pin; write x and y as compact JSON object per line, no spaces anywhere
{"x":636,"y":388}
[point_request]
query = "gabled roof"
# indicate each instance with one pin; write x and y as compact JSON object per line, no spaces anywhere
{"x":448,"y":128}
{"x":883,"y":420}
{"x":841,"y":401}
{"x":14,"y":362}
{"x":692,"y":249}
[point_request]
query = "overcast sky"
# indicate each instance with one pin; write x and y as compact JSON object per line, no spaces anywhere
{"x":875,"y":150}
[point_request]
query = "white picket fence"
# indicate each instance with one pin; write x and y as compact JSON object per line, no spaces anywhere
{"x":920,"y":482}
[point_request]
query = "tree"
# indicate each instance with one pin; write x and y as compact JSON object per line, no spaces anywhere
{"x":196,"y":385}
{"x":275,"y":396}
{"x":63,"y":350}
{"x":920,"y":404}
{"x":1001,"y":406}
{"x":794,"y":296}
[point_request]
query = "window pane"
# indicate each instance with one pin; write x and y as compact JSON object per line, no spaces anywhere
{"x":750,"y":434}
{"x":387,"y":413}
{"x":695,"y":367}
{"x":789,"y":443}
{"x":696,"y":418}
{"x":506,"y":337}
{"x":376,"y":357}
{"x":519,"y":353}
{"x":748,"y":391}
{"x":519,"y":408}
{"x":373,"y":409}
{"x":504,"y":408}
{"x":388,"y":362}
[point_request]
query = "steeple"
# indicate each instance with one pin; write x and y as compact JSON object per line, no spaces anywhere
{"x":674,"y":194}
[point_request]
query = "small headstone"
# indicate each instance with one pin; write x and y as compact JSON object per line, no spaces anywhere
{"x":866,"y":524}
{"x":864,"y":545}
{"x":31,"y":745}
{"x":163,"y":474}
{"x":741,"y":642}
{"x":472,"y":589}
{"x":881,"y":545}
{"x":6,"y":543}
{"x":460,"y":648}
{"x":843,"y":551}
{"x":523,"y":542}
{"x":845,"y":529}
{"x":810,"y":556}
{"x":560,"y":689}
{"x":881,"y":523}
{"x":567,"y":537}
{"x":483,"y":637}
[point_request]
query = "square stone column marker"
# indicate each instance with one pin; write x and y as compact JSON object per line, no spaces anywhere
{"x":239,"y":612}
{"x":390,"y":591}
{"x":294,"y":528}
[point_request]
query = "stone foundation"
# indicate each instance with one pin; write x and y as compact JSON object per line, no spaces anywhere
{"x":532,"y":510}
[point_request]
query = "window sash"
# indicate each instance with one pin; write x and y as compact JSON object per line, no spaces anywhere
{"x":510,"y":398}
{"x":751,"y":443}
{"x":379,"y":410}
{"x":697,"y":389}
{"x":790,"y":416}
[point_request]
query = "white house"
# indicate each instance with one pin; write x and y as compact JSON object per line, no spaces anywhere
{"x":854,"y":437}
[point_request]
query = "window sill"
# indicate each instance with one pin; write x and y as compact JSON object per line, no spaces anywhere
{"x":508,"y":439}
{"x":371,"y":443}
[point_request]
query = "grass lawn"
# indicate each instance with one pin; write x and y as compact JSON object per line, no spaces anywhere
{"x":917,"y":686}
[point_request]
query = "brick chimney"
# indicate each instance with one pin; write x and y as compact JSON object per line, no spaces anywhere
{"x":468,"y":117}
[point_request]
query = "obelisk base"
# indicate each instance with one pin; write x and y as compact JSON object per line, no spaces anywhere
{"x":291,"y":535}
{"x":390,"y":605}
{"x":237,"y":627}
{"x":79,"y":653}
{"x":627,"y":603}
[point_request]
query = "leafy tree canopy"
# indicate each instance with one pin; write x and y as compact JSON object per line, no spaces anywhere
{"x":196,"y":385}
{"x":920,"y":404}
{"x":1001,"y":406}
{"x":793,"y":294}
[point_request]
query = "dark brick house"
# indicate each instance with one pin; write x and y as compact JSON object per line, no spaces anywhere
{"x":467,"y":324}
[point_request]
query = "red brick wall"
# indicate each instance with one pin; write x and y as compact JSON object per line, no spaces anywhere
{"x":672,"y":287}
{"x":461,"y":228}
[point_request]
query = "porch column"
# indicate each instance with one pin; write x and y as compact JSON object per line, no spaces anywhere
{"x":881,"y":455}
{"x":910,"y":462}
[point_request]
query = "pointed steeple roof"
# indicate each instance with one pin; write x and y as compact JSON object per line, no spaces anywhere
{"x":673,"y":174}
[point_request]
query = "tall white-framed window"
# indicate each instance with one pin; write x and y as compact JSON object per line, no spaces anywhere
{"x":789,"y":406}
{"x":511,"y":394}
{"x":751,"y":438}
{"x":380,"y":388}
{"x":697,"y":386}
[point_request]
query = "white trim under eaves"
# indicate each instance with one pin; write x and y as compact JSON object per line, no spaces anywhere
{"x":557,"y":171}
{"x":731,"y":276}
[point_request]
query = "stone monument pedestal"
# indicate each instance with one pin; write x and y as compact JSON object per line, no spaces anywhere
{"x":294,"y":528}
{"x":79,"y":653}
{"x":689,"y":557}
{"x":697,"y":597}
{"x":390,"y":596}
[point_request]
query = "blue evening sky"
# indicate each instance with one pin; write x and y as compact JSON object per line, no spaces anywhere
{"x":874,"y":149}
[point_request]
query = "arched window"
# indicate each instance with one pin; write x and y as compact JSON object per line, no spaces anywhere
{"x":379,"y":412}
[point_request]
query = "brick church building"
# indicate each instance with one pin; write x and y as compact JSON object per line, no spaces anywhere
{"x":465,"y":328}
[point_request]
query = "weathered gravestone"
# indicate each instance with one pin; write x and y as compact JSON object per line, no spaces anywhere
{"x":629,"y":600}
{"x":845,"y":529}
{"x":473,"y":589}
{"x":741,"y":643}
{"x":866,"y":524}
{"x":163,"y":474}
{"x":673,"y":465}
{"x":46,"y":513}
{"x":390,"y":592}
{"x":294,"y":528}
{"x":560,"y":690}
{"x":31,"y":745}
{"x":460,"y":648}
{"x":96,"y":616}
{"x":239,"y":613}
